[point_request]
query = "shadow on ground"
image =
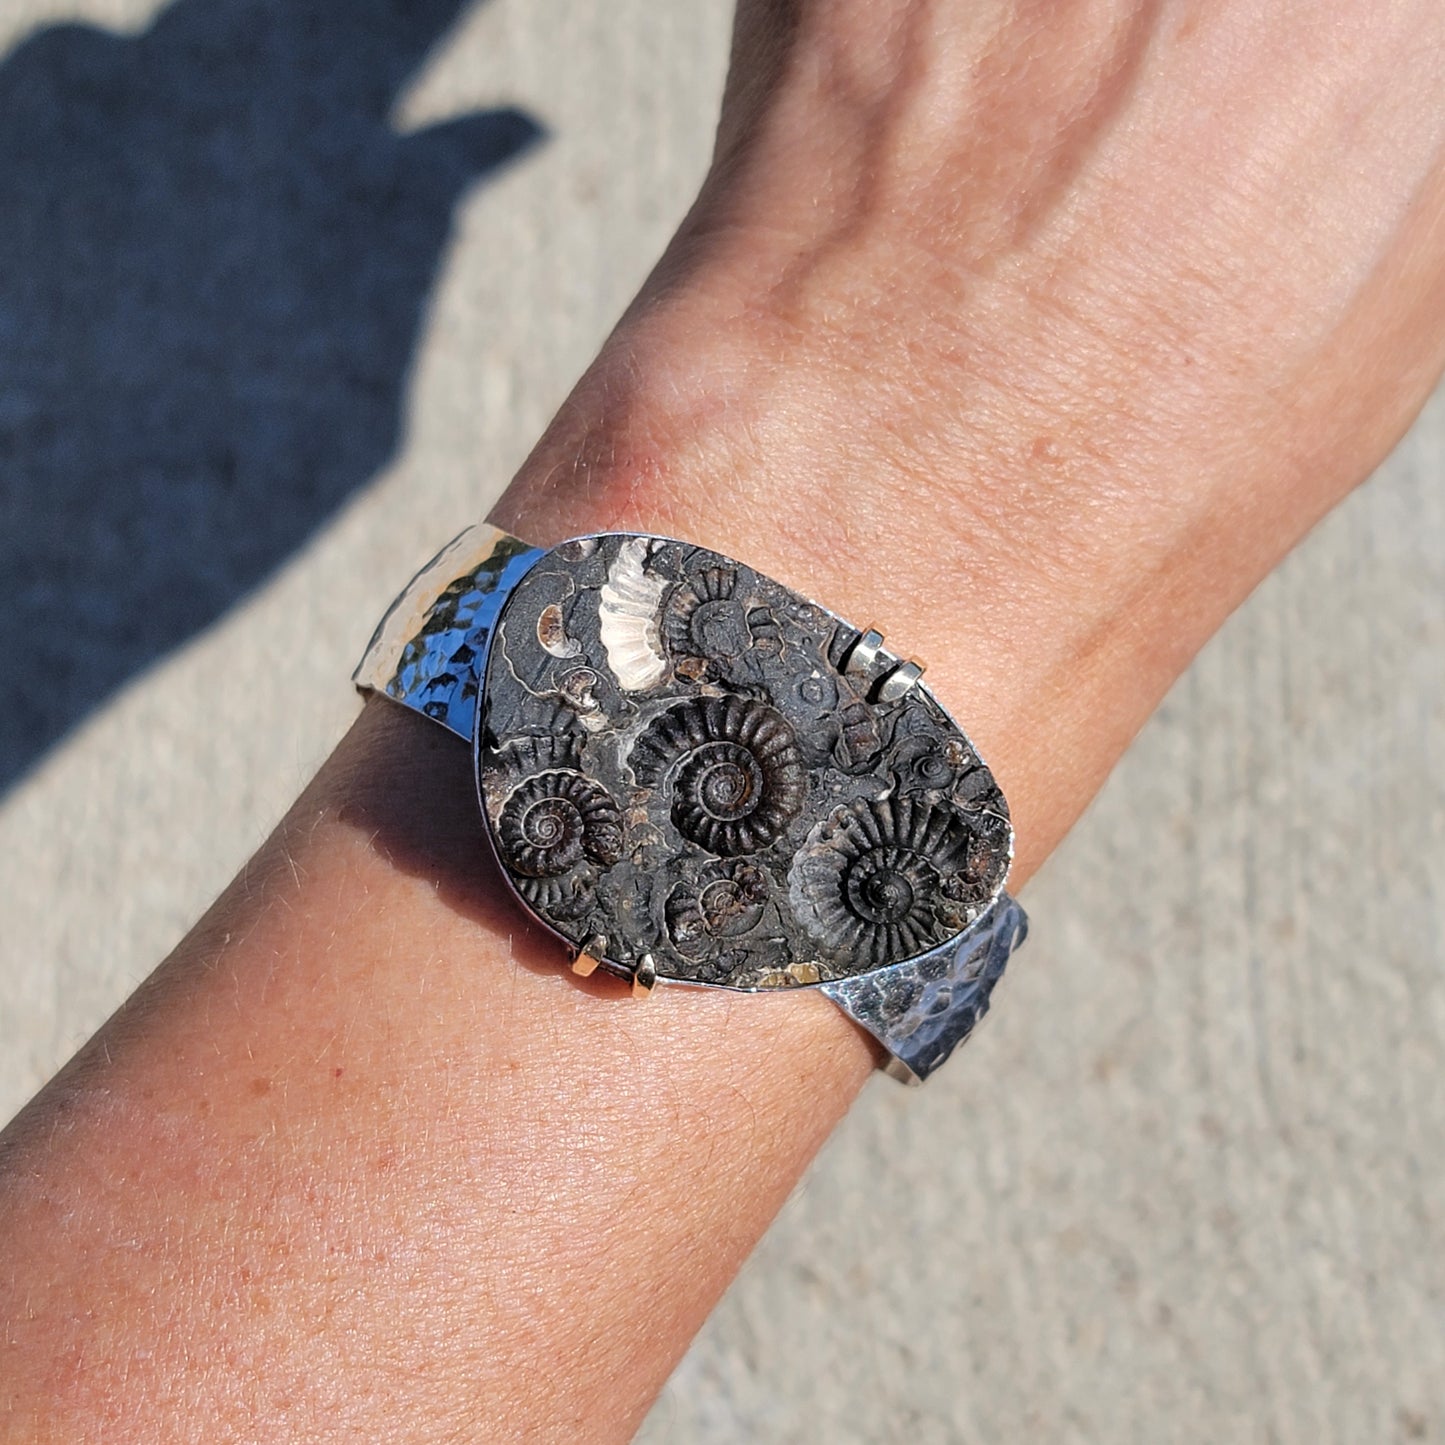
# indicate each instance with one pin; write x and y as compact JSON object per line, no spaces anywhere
{"x":214,"y":258}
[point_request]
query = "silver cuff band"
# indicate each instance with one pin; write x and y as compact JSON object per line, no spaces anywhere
{"x":920,"y":1011}
{"x":426,"y":652}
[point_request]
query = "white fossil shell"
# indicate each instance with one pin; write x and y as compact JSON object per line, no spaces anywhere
{"x":552,"y":632}
{"x":627,"y":612}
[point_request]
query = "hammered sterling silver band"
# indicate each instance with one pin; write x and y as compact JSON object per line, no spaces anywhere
{"x":692,"y":774}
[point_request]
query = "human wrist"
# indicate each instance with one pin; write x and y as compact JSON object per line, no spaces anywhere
{"x":1041,"y":594}
{"x":1049,"y":443}
{"x":480,"y":1149}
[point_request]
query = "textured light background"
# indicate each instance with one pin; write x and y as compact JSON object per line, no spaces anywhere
{"x":1188,"y":1184}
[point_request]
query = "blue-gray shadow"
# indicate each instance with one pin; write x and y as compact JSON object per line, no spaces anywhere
{"x":215,"y":255}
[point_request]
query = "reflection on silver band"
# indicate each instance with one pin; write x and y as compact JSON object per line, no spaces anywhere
{"x":921,"y":1010}
{"x":426,"y":652}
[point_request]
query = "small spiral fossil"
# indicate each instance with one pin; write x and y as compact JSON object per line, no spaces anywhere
{"x":883,"y":880}
{"x":553,"y":820}
{"x":926,"y":761}
{"x":707,"y":625}
{"x":733,"y":765}
{"x":703,"y":619}
{"x":726,"y":901}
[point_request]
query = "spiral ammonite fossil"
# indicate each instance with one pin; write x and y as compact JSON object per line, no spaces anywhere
{"x":702,"y":618}
{"x":706,"y":621}
{"x":554,"y":820}
{"x":726,"y":901}
{"x":883,"y":880}
{"x":736,"y":776}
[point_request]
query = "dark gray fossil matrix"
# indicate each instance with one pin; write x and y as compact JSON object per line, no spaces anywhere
{"x":690,"y":761}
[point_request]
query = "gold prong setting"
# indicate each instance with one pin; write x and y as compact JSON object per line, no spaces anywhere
{"x":644,"y":977}
{"x":589,"y":956}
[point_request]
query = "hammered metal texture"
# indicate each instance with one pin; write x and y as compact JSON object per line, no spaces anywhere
{"x":684,"y":761}
{"x":924,"y":1009}
{"x":427,"y":650}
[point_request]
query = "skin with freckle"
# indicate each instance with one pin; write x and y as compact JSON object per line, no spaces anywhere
{"x":1032,"y":333}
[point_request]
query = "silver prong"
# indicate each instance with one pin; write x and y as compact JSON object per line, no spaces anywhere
{"x":864,"y":653}
{"x":589,"y":956}
{"x":644,"y":979}
{"x":901,"y":680}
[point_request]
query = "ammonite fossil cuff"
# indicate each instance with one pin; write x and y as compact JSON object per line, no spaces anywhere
{"x":693,"y":775}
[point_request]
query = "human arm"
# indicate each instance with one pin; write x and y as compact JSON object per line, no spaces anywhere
{"x":1062,"y":570}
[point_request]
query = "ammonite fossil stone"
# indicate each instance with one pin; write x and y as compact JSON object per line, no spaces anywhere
{"x":708,"y":625}
{"x":732,"y":767}
{"x":890,"y":878}
{"x":722,"y":902}
{"x":551,"y":821}
{"x":690,"y":761}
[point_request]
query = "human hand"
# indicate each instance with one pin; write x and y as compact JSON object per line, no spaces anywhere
{"x":1044,"y":407}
